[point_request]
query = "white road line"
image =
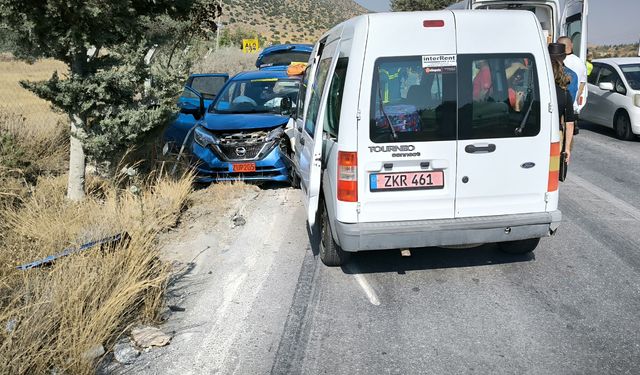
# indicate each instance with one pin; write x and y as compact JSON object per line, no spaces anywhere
{"x":614,"y":201}
{"x":366,"y":287}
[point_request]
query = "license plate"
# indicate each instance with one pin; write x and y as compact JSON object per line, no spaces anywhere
{"x":407,"y":181}
{"x":244,"y":167}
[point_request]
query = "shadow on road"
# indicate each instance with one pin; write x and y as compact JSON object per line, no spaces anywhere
{"x":429,"y":259}
{"x":595,"y":128}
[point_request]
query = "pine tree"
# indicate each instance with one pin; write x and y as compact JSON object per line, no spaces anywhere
{"x":103,"y":44}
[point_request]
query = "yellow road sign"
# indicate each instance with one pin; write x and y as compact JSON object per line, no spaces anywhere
{"x":250,"y":45}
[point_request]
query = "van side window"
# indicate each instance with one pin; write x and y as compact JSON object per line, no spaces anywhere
{"x":498,"y":96}
{"x":316,"y":96}
{"x":412,"y":104}
{"x":334,"y":100}
{"x":302,"y":94}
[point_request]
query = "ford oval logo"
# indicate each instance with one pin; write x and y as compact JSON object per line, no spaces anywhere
{"x":241,"y":151}
{"x":528,"y":165}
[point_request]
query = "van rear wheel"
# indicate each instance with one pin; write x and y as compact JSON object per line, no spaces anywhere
{"x":519,"y":247}
{"x":330,"y":253}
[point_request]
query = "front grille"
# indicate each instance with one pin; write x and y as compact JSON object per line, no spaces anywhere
{"x":240,"y":151}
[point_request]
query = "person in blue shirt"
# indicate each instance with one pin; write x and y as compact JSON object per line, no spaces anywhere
{"x":573,"y":84}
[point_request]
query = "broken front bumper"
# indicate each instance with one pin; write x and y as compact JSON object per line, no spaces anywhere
{"x":211,"y":167}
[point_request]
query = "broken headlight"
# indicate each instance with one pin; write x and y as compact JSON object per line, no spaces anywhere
{"x":204,"y":138}
{"x":275,"y":134}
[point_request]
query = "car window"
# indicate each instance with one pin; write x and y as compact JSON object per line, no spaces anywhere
{"x":410,"y":103}
{"x":188,"y":94}
{"x":262,"y":95}
{"x":316,"y":96}
{"x":208,"y":86}
{"x":608,"y":74}
{"x":303,"y":93}
{"x":504,"y":101}
{"x":284,"y":58}
{"x":593,"y":77}
{"x":632,"y":74}
{"x":334,"y":100}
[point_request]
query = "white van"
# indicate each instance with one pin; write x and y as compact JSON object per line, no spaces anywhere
{"x":556,"y":17}
{"x":429,"y":129}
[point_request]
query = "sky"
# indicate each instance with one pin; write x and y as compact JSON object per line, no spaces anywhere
{"x":610,"y":21}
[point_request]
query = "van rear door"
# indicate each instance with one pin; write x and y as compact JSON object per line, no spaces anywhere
{"x":407,"y":127}
{"x":504,"y":122}
{"x":574,"y":25}
{"x":547,"y":12}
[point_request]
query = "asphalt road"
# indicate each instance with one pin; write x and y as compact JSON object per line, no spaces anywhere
{"x":260,"y":301}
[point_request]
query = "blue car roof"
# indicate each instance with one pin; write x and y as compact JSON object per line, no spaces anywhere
{"x":262,"y":74}
{"x":209,"y":75}
{"x":281,"y":48}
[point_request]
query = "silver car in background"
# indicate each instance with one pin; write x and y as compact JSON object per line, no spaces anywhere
{"x":614,"y":95}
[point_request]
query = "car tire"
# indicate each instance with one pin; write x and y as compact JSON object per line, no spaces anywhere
{"x":519,"y":247}
{"x":330,"y":252}
{"x":294,"y":180}
{"x":622,"y":126}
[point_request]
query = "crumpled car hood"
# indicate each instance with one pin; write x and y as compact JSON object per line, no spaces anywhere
{"x":243,"y":121}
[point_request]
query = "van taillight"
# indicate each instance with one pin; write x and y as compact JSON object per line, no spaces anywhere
{"x":347,"y":176}
{"x":554,"y":167}
{"x":433,"y":23}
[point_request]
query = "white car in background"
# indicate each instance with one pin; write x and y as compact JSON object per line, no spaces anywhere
{"x":614,"y":95}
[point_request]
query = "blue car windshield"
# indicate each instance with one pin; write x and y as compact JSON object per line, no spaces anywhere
{"x":257,"y":95}
{"x":632,"y":74}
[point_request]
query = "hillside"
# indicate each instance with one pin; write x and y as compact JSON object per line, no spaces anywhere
{"x":288,"y":20}
{"x":620,"y":50}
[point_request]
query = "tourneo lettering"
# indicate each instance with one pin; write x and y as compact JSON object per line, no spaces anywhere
{"x":403,"y":148}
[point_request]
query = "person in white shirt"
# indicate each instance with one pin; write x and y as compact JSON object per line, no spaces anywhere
{"x":574,"y":63}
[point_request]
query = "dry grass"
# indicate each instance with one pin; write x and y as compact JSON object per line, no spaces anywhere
{"x":226,"y":60}
{"x":14,"y":100}
{"x":58,"y":314}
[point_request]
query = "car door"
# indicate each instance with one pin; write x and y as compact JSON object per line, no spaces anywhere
{"x":609,"y":100}
{"x":208,"y":85}
{"x":503,"y":146}
{"x":310,"y":156}
{"x":589,"y":111}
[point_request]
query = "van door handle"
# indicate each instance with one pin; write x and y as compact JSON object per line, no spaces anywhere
{"x":486,"y":148}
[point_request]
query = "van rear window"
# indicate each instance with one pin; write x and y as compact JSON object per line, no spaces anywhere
{"x":409,"y":103}
{"x":447,"y":97}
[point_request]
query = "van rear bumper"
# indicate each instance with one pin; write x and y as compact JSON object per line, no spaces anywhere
{"x":445,"y":232}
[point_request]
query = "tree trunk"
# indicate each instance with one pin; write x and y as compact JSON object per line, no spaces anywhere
{"x":75,"y":186}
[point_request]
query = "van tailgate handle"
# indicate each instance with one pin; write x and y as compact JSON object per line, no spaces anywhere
{"x":477,"y":149}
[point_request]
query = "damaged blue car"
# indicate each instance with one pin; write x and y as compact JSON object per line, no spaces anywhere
{"x":241,"y":136}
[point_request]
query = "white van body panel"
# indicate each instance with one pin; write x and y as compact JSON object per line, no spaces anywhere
{"x":502,"y":201}
{"x":384,"y":40}
{"x":497,"y":182}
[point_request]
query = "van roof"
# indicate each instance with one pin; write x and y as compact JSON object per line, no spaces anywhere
{"x":488,"y":31}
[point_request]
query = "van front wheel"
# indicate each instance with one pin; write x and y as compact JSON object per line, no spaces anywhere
{"x":519,"y":247}
{"x":330,"y":253}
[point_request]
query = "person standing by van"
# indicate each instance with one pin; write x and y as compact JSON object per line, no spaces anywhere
{"x":565,"y":102}
{"x":574,"y":63}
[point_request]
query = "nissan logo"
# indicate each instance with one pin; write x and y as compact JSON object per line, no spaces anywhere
{"x":241,"y":151}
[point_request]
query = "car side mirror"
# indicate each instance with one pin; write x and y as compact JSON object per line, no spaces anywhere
{"x":606,"y":86}
{"x":197,"y":111}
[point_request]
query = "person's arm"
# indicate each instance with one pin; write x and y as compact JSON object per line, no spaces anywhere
{"x":567,"y":140}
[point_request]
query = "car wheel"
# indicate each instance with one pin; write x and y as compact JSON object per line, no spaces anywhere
{"x":519,"y":247}
{"x":330,"y":253}
{"x":622,"y":127}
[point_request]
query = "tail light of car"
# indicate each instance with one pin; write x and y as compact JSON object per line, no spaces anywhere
{"x":554,"y":167}
{"x":636,"y":100}
{"x":347,"y":176}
